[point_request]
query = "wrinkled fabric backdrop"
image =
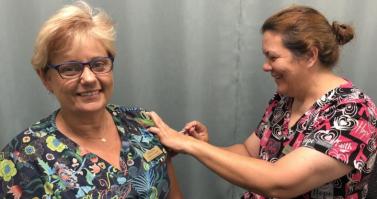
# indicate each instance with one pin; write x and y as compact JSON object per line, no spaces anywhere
{"x":186,"y":60}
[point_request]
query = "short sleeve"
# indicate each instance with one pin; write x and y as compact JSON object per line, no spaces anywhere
{"x":347,"y":133}
{"x":148,"y":154}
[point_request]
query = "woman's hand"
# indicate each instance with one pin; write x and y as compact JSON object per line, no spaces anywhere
{"x":178,"y":142}
{"x":196,"y":130}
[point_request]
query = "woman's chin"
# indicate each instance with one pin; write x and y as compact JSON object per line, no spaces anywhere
{"x":90,"y":107}
{"x":281,"y":91}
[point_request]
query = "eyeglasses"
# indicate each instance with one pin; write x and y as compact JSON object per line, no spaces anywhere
{"x":74,"y":69}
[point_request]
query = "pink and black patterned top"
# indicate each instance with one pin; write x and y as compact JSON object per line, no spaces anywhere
{"x":341,"y":124}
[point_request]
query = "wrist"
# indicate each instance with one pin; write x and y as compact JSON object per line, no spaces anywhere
{"x":192,"y":145}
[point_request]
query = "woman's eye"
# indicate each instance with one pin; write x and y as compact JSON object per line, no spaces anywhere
{"x":272,"y":58}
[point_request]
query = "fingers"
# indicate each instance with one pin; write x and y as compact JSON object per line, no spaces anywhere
{"x":197,"y":130}
{"x":191,"y":125}
{"x":154,"y":130}
{"x":195,"y":127}
{"x":160,"y":128}
{"x":156,"y":119}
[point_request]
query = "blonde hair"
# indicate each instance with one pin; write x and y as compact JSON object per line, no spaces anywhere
{"x":68,"y":24}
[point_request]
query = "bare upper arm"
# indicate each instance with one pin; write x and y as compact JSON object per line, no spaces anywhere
{"x":175,"y":192}
{"x":305,"y":169}
{"x":252,"y":145}
{"x":298,"y":172}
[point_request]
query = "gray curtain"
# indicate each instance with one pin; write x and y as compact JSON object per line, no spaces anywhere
{"x":186,"y":60}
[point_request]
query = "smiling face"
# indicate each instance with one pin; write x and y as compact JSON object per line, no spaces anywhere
{"x":288,"y":71}
{"x":88,"y":93}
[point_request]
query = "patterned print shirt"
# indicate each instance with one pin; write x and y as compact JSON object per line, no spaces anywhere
{"x":341,"y":124}
{"x":43,"y":163}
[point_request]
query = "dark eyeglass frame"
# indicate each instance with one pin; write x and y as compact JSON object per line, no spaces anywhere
{"x":82,"y":64}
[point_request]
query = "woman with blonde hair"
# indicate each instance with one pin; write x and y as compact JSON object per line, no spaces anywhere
{"x":87,"y":148}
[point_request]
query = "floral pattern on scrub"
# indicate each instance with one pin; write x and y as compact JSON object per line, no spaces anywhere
{"x":41,"y":162}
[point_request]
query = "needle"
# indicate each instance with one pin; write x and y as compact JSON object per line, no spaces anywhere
{"x":184,"y":131}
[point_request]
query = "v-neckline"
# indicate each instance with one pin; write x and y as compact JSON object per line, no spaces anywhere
{"x":311,"y":109}
{"x":289,"y":115}
{"x":62,"y":137}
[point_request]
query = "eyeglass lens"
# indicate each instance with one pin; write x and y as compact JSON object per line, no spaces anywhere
{"x":97,"y":65}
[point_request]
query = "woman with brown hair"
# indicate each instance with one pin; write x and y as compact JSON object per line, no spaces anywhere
{"x":317,"y":137}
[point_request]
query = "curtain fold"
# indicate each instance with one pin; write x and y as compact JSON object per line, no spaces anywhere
{"x":187,"y":60}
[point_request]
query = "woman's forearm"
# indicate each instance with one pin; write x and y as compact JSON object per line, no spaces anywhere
{"x":238,"y":169}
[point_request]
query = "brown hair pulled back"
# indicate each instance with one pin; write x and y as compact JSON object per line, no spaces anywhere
{"x":303,"y":27}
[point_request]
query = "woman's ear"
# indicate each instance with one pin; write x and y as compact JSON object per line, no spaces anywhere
{"x":312,"y":57}
{"x":45,"y":78}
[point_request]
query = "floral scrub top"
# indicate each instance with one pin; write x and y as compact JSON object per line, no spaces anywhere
{"x":43,"y":163}
{"x":341,"y":124}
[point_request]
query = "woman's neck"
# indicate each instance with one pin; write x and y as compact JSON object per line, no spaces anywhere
{"x":319,"y":84}
{"x":86,"y":125}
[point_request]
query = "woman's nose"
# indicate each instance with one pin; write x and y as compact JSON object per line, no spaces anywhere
{"x":87,"y":75}
{"x":267,"y":67}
